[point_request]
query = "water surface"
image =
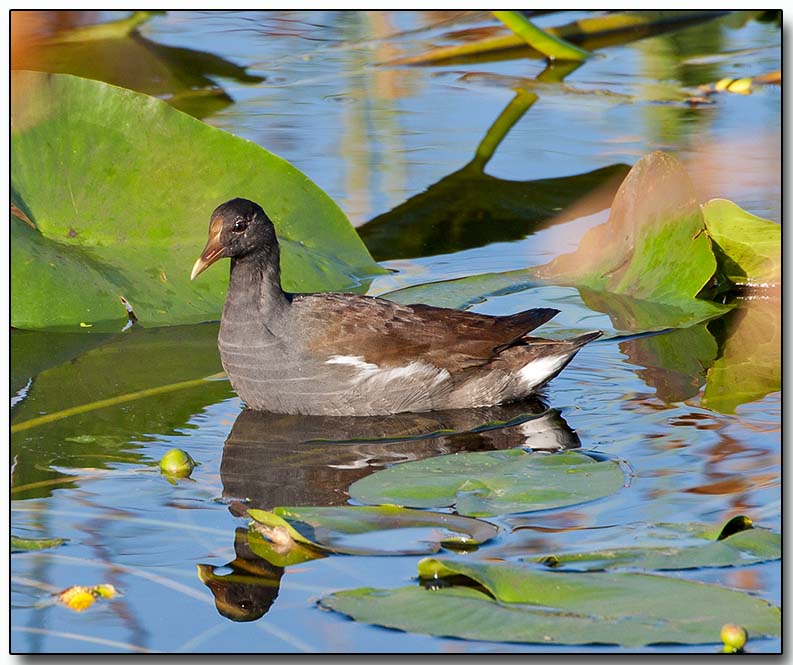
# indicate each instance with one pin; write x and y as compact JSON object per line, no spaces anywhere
{"x":375,"y":137}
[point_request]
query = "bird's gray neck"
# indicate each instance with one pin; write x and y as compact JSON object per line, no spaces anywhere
{"x":255,"y":286}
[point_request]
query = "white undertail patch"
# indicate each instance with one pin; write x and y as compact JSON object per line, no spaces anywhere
{"x":538,"y":371}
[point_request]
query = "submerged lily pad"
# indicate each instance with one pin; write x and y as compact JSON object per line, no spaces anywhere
{"x":492,"y":483}
{"x":334,"y":529}
{"x":121,"y":185}
{"x":523,"y":605}
{"x":691,"y":546}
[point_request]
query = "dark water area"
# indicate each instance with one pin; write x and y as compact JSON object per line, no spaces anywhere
{"x":438,"y":168}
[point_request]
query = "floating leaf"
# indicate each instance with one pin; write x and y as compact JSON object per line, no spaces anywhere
{"x":19,"y":544}
{"x":122,"y":185}
{"x":751,"y":245}
{"x":741,"y":547}
{"x":335,"y":529}
{"x":492,"y":483}
{"x":279,"y":555}
{"x":653,"y":247}
{"x":524,"y":605}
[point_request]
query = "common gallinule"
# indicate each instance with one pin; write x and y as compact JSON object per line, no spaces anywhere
{"x":348,"y":354}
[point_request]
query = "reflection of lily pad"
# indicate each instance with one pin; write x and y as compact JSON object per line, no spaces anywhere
{"x":469,"y":209}
{"x":675,"y":362}
{"x":94,"y":409}
{"x":524,"y":605}
{"x":279,"y":555}
{"x":750,"y":364}
{"x":34,"y":351}
{"x":492,"y":483}
{"x":685,"y":546}
{"x":122,"y":185}
{"x":117,"y":53}
{"x":335,"y":529}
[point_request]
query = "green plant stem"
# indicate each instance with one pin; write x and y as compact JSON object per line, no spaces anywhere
{"x":500,"y":128}
{"x":546,"y":43}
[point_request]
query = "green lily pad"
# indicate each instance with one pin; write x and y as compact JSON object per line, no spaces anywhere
{"x":752,"y":246}
{"x":739,"y":547}
{"x":338,"y":529}
{"x":492,"y":483}
{"x":19,"y":544}
{"x":653,"y":247}
{"x":121,"y":185}
{"x":524,"y":605}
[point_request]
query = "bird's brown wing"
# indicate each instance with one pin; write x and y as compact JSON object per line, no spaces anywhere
{"x":389,"y":335}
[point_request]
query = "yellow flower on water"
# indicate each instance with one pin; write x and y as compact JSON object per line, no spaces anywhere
{"x":80,"y":598}
{"x":77,"y":598}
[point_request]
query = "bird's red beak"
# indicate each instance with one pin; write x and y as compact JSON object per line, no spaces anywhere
{"x":212,"y":252}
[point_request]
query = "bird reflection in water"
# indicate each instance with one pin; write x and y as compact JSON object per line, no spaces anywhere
{"x":274,"y":460}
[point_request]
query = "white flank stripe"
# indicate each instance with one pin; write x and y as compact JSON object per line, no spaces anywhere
{"x":417,"y":370}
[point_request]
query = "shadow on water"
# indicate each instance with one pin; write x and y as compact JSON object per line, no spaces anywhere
{"x":289,"y":460}
{"x":469,"y":208}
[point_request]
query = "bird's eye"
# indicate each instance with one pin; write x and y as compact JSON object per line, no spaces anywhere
{"x":239,"y":226}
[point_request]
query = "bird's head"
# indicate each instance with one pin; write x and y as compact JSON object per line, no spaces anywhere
{"x":237,"y":228}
